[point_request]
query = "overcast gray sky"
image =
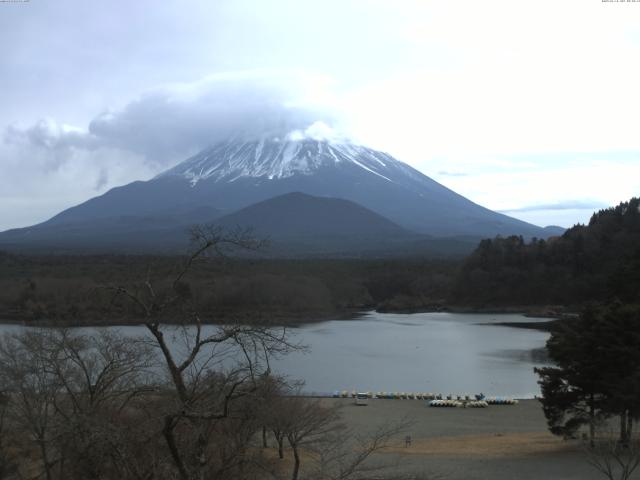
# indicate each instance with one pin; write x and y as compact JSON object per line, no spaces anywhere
{"x":525,"y":107}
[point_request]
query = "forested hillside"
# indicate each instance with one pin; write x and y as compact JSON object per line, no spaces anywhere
{"x":70,"y":289}
{"x":595,"y":262}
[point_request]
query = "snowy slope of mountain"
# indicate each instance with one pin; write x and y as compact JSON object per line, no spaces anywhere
{"x":235,"y":174}
{"x":274,"y":159}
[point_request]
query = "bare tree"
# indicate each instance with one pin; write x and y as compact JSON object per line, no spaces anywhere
{"x":316,"y":435}
{"x":32,"y":390}
{"x":278,"y":422}
{"x":345,"y":454}
{"x":269,"y":411}
{"x":306,"y":422}
{"x":101,"y":375}
{"x":209,"y":370}
{"x":275,"y":412}
{"x":7,"y":465}
{"x":614,"y":459}
{"x":69,"y":392}
{"x":98,"y":370}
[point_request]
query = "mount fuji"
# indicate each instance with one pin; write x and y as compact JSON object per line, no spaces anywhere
{"x":218,"y":183}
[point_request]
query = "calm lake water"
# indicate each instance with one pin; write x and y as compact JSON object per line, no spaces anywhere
{"x":422,"y":352}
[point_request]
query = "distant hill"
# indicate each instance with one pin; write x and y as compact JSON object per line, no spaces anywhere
{"x":298,"y":214}
{"x":553,"y":231}
{"x":295,"y":224}
{"x":595,"y":262}
{"x":298,"y":224}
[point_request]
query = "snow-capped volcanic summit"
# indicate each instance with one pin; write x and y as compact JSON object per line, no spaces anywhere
{"x":277,"y":159}
{"x":238,"y":173}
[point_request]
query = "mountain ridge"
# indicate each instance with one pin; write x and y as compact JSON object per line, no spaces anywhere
{"x":237,"y":174}
{"x":231,"y":180}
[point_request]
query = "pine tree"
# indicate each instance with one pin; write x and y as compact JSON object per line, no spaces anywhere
{"x":597,"y":373}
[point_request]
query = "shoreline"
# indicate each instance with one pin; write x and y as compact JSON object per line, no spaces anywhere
{"x":374,"y":398}
{"x":543,"y":326}
{"x":295,"y":320}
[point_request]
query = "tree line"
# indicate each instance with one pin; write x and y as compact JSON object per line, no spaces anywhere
{"x":66,"y":290}
{"x":595,"y":262}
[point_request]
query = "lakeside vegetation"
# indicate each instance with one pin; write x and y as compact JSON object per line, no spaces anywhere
{"x":597,"y":262}
{"x":67,"y":289}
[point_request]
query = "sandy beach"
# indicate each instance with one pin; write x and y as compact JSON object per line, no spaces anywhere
{"x":498,"y":443}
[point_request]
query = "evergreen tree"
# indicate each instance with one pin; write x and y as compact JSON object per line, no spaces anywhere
{"x":596,"y":262}
{"x":597,"y":373}
{"x":621,"y":336}
{"x":572,"y":392}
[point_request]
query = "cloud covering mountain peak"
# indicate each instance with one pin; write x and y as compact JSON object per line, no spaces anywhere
{"x":169,"y":122}
{"x":157,"y":129}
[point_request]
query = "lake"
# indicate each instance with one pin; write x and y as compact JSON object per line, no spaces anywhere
{"x":421,"y":352}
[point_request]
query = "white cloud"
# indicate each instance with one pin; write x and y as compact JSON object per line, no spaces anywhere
{"x":67,"y":164}
{"x":48,"y":134}
{"x":171,"y":122}
{"x":514,"y":77}
{"x":36,"y":183}
{"x":319,"y":131}
{"x":498,"y":90}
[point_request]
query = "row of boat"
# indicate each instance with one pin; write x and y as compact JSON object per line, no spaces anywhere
{"x":466,"y":399}
{"x":459,"y":404}
{"x":501,"y":401}
{"x":387,"y":395}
